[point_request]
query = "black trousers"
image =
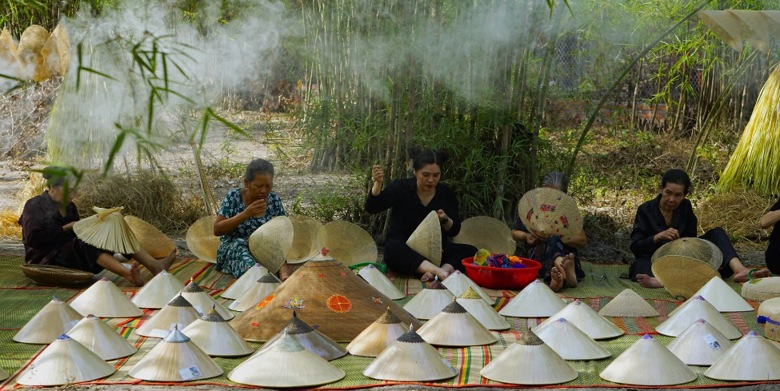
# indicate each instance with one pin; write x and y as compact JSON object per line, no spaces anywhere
{"x":401,"y":259}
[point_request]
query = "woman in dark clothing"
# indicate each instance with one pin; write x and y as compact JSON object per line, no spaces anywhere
{"x":772,"y":254}
{"x":668,"y":217}
{"x":412,"y":199}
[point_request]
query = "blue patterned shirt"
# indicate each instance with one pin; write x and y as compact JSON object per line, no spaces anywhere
{"x":233,"y":204}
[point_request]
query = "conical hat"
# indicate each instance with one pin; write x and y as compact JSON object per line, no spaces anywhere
{"x":378,"y":336}
{"x":30,"y":43}
{"x":761,"y":288}
{"x":628,"y":304}
{"x":546,"y":211}
{"x":212,"y":334}
{"x":378,"y":280}
{"x":263,"y":287}
{"x":311,"y":339}
{"x":151,"y":239}
{"x":481,"y":311}
{"x":430,"y":301}
{"x":647,"y":363}
{"x":752,"y":358}
{"x":105,"y":300}
{"x":325,"y":293}
{"x":570,"y":342}
{"x":426,"y":238}
{"x":178,"y":312}
{"x":457,"y":283}
{"x":50,"y":53}
{"x":8,"y":53}
{"x":540,"y":364}
{"x":723,"y":297}
{"x":682,"y":276}
{"x":410,"y":358}
{"x":65,"y":361}
{"x":692,"y":311}
{"x":586,"y":319}
{"x":203,"y":302}
{"x":486,"y":232}
{"x":696,"y":248}
{"x":700,"y":344}
{"x":54,"y":319}
{"x":347,"y":243}
{"x":304,"y":245}
{"x":201,"y":240}
{"x":3,"y":374}
{"x":270,"y":243}
{"x":175,"y":359}
{"x":158,"y":291}
{"x":107,"y":230}
{"x":726,"y":27}
{"x":454,"y":326}
{"x":246,"y":281}
{"x":536,"y":300}
{"x":285,"y":364}
{"x":98,"y":337}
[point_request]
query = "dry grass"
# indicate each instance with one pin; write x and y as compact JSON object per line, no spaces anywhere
{"x":737,"y":212}
{"x":9,"y":225}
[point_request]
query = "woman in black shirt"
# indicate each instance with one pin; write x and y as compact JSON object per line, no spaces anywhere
{"x":772,"y":254}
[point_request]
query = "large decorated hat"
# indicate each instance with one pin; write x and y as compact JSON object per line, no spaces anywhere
{"x":684,"y":265}
{"x":151,"y":239}
{"x":486,"y":232}
{"x":426,"y":239}
{"x":347,"y":243}
{"x":201,"y":240}
{"x":107,"y":230}
{"x":546,"y":212}
{"x":270,"y":243}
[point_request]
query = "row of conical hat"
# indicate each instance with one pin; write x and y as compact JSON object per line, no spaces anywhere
{"x":39,"y":55}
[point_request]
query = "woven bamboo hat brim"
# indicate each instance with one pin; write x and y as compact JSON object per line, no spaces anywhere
{"x":454,"y":326}
{"x":410,"y":358}
{"x":700,"y":344}
{"x":691,"y":312}
{"x":30,"y":43}
{"x":325,"y":293}
{"x":65,"y":361}
{"x":201,"y":240}
{"x":203,"y":302}
{"x":304,"y":244}
{"x":54,"y":319}
{"x":246,"y":281}
{"x":570,"y":342}
{"x":347,"y":243}
{"x":156,"y":293}
{"x":696,"y":248}
{"x":263,"y":287}
{"x":536,"y":300}
{"x":212,"y":334}
{"x":107,"y":230}
{"x":752,"y":358}
{"x":540,"y":364}
{"x":379,"y":280}
{"x":457,"y":283}
{"x":628,"y":304}
{"x":175,"y":359}
{"x":98,"y":337}
{"x":285,"y":364}
{"x":378,"y":336}
{"x":426,"y":238}
{"x":55,"y":53}
{"x":8,"y":49}
{"x":761,"y":288}
{"x":647,"y":362}
{"x":178,"y":311}
{"x":682,"y":276}
{"x":725,"y":26}
{"x":586,"y":319}
{"x":270,"y":243}
{"x":723,"y":297}
{"x":430,"y":301}
{"x":50,"y":275}
{"x":486,"y":232}
{"x":105,"y":300}
{"x":546,"y":211}
{"x":311,"y":339}
{"x":481,"y":311}
{"x":151,"y":239}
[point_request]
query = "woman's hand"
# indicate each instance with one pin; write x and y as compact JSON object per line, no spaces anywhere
{"x":446,"y":221}
{"x":256,"y":208}
{"x":667,"y":235}
{"x":69,"y":226}
{"x":531,"y":239}
{"x":377,"y":176}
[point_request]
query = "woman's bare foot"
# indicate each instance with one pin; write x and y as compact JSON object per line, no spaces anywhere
{"x":134,"y":274}
{"x":742,"y":275}
{"x":430,"y":270}
{"x":568,"y":270}
{"x":648,"y":281}
{"x":556,"y":279}
{"x":168,"y":260}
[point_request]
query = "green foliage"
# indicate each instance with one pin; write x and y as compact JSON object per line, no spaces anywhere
{"x":334,"y":202}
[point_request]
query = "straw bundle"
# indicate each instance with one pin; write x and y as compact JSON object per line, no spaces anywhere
{"x":737,"y":211}
{"x":9,"y":225}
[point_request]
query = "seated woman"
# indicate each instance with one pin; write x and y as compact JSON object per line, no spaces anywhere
{"x":561,"y":265}
{"x":772,"y":254}
{"x":668,"y":217}
{"x":48,"y":237}
{"x":412,"y":199}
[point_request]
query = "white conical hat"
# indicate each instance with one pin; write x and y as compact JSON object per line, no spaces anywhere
{"x":378,"y":335}
{"x":65,"y":361}
{"x":107,"y":230}
{"x":347,"y":243}
{"x":481,"y":311}
{"x":304,"y":241}
{"x":700,"y":344}
{"x":752,"y":358}
{"x":263,"y":287}
{"x":311,"y":339}
{"x":158,"y":291}
{"x":270,"y":243}
{"x":586,"y":319}
{"x":175,"y":359}
{"x":536,"y":300}
{"x":692,"y":311}
{"x":105,"y":300}
{"x":429,"y":301}
{"x":628,"y":304}
{"x":426,"y":238}
{"x":201,"y":240}
{"x":215,"y":337}
{"x":486,"y":232}
{"x":723,"y":297}
{"x":285,"y":364}
{"x":458,"y":282}
{"x":570,"y":342}
{"x":98,"y":337}
{"x":540,"y":364}
{"x":410,"y":358}
{"x":379,"y":280}
{"x":454,"y":326}
{"x":54,"y":319}
{"x":647,"y":363}
{"x":761,"y":288}
{"x":177,"y":313}
{"x":151,"y":239}
{"x":247,"y":280}
{"x":203,"y":302}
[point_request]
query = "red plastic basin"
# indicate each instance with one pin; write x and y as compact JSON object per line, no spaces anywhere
{"x":502,"y":278}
